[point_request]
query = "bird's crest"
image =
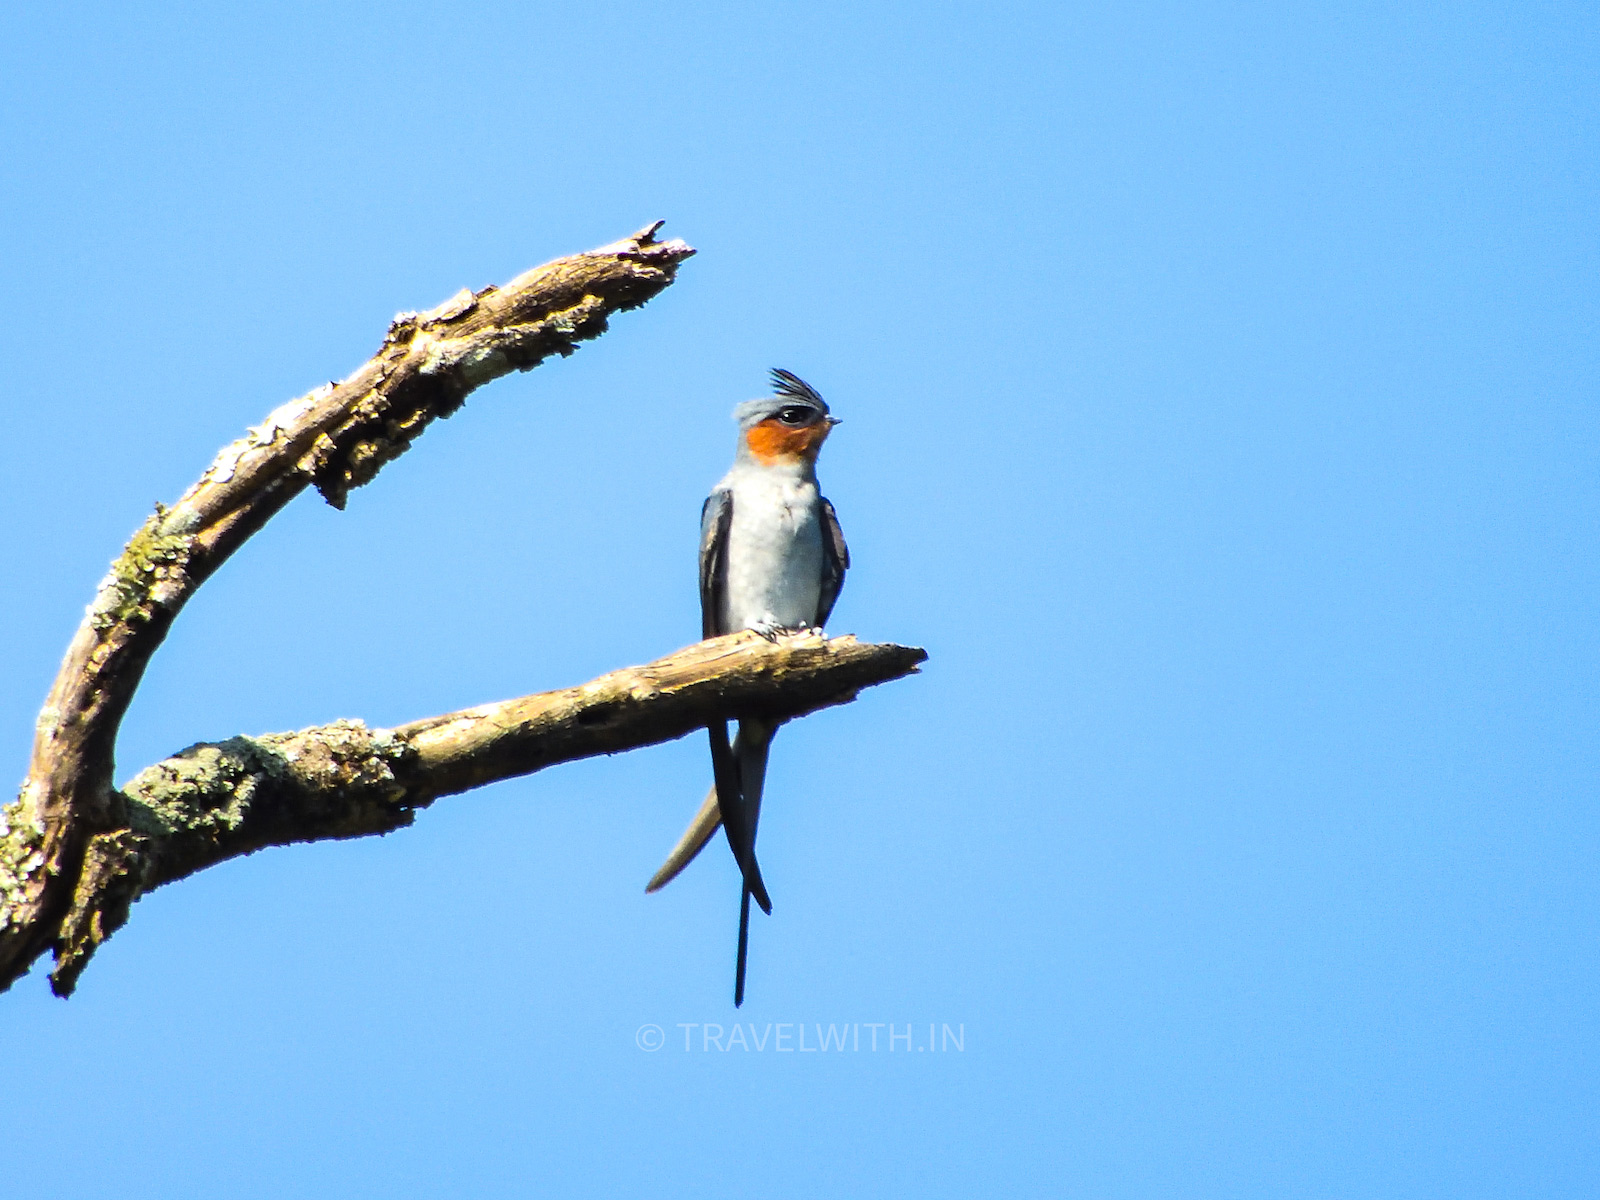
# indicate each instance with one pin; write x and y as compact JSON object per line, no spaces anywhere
{"x":787,"y":383}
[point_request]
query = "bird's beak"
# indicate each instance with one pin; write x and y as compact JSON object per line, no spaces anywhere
{"x":832,"y":421}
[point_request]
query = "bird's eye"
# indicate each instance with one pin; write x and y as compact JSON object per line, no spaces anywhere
{"x":795,"y":414}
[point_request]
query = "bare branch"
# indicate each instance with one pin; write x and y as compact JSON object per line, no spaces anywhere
{"x":216,"y":801}
{"x":69,"y":827}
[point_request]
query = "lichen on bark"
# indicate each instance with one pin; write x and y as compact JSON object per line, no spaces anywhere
{"x":21,"y":854}
{"x":152,"y":563}
{"x":216,"y":801}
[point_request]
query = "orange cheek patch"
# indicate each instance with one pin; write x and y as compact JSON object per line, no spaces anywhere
{"x":773,"y":441}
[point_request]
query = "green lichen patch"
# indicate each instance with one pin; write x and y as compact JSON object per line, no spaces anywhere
{"x":157,"y":553}
{"x":116,"y":869}
{"x":21,"y":857}
{"x":206,"y":789}
{"x":217,"y":800}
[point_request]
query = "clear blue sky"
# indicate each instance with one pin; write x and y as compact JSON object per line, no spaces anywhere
{"x":1220,"y":392}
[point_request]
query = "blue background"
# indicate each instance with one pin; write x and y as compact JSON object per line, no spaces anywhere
{"x":1220,"y":399}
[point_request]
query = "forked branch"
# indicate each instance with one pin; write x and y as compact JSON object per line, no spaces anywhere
{"x":75,"y":852}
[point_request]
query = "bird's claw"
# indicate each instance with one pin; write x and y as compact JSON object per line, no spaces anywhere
{"x":772,"y":631}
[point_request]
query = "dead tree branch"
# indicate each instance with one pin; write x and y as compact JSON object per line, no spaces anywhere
{"x":75,"y":852}
{"x":335,"y":438}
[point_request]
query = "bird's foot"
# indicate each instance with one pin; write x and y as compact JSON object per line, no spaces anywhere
{"x":772,"y":631}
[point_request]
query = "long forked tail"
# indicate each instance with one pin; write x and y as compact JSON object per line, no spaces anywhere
{"x":751,"y":748}
{"x":742,"y":769}
{"x":744,"y":946}
{"x":738,"y":815}
{"x":694,"y":839}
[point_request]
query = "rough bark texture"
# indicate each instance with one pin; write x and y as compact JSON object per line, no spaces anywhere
{"x":217,"y":801}
{"x":70,"y":832}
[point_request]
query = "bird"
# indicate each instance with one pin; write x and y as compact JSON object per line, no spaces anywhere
{"x":773,"y":560}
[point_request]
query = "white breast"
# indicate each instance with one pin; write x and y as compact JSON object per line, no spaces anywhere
{"x":774,"y":550}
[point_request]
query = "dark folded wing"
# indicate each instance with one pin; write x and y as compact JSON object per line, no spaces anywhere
{"x":835,"y":562}
{"x":715,"y":518}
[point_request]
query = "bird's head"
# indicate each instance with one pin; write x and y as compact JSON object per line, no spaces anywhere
{"x":787,"y":427}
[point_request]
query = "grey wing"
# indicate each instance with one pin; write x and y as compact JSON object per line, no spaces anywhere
{"x":835,"y":562}
{"x":715,"y":519}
